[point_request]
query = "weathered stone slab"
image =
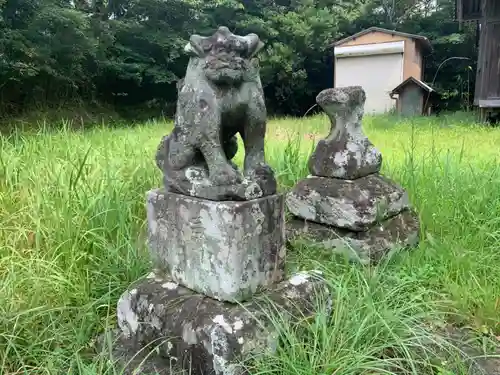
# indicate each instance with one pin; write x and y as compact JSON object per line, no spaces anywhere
{"x":127,"y":359}
{"x":352,"y":204}
{"x":227,"y":250}
{"x":346,"y":153}
{"x":400,"y":231}
{"x":206,"y":336}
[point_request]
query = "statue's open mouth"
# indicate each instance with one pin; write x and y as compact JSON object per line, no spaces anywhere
{"x":228,"y":68}
{"x":226,"y":63}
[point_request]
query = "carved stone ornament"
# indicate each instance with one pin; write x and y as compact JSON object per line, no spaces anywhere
{"x":220,"y":96}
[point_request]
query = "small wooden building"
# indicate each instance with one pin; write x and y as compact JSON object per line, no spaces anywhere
{"x":378,"y":60}
{"x":414,"y":97}
{"x":487,"y":14}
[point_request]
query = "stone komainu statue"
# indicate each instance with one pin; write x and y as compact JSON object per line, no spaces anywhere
{"x":221,"y":95}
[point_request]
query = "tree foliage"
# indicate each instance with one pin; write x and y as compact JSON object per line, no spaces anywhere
{"x":129,"y":52}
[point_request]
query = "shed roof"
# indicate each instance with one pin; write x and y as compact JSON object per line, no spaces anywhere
{"x":424,"y":42}
{"x":418,"y":82}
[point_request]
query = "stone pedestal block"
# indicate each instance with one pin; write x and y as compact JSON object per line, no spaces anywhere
{"x":201,"y":335}
{"x":400,"y":231}
{"x":351,"y":204}
{"x":227,"y":250}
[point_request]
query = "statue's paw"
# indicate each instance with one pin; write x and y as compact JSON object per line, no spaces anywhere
{"x":252,"y":190}
{"x":196,"y":174}
{"x":262,"y":171}
{"x":264,"y":176}
{"x":226,"y":175}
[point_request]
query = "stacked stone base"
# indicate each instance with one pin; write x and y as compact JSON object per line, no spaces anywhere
{"x":167,"y":326}
{"x":219,"y":276}
{"x":401,"y":231}
{"x":365,"y":218}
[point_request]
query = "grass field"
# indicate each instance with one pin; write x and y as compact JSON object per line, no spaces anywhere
{"x":72,"y":213}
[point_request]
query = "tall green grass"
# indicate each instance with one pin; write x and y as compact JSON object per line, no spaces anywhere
{"x":378,"y":324}
{"x":71,"y":234}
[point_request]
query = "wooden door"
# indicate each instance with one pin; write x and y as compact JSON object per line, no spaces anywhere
{"x":411,"y":100}
{"x":491,"y":79}
{"x":488,"y":67}
{"x":493,"y":61}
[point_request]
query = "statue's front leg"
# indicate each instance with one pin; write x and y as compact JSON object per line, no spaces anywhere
{"x":221,"y":172}
{"x":253,"y":132}
{"x":253,"y":135}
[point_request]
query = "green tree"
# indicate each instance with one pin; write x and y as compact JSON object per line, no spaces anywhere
{"x":128,"y":53}
{"x":46,"y":49}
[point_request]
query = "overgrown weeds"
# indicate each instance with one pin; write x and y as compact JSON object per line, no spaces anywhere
{"x":72,"y":214}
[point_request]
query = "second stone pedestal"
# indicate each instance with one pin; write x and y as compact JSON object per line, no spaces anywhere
{"x":346,"y":205}
{"x":227,"y":250}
